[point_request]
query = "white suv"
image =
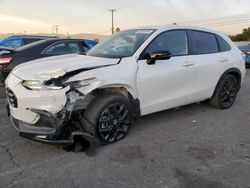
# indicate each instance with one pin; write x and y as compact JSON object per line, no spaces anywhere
{"x":66,"y":99}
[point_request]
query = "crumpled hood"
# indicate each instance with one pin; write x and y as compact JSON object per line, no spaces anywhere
{"x":42,"y":69}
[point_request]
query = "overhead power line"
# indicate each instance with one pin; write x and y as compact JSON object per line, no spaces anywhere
{"x":220,"y":20}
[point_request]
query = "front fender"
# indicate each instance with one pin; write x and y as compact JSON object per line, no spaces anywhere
{"x":103,"y":85}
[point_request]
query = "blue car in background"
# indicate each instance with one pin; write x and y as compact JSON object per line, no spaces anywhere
{"x":17,"y":41}
{"x":90,"y":43}
{"x":246,"y":50}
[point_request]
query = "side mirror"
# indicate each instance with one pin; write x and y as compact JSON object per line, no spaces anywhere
{"x":158,"y":55}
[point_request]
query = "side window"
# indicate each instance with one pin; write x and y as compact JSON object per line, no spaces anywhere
{"x":62,"y":48}
{"x":30,"y":40}
{"x":84,"y":46}
{"x":224,"y":46}
{"x":174,"y":41}
{"x":74,"y":47}
{"x":204,"y":43}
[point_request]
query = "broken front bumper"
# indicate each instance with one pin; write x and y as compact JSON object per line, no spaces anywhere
{"x":45,"y":116}
{"x":40,"y":132}
{"x":57,"y":129}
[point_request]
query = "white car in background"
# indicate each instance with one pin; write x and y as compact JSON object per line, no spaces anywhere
{"x":68,"y":99}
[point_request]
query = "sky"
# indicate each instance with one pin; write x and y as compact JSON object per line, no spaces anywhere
{"x":93,"y":16}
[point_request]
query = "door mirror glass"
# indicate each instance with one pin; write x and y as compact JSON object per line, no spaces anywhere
{"x":158,"y":55}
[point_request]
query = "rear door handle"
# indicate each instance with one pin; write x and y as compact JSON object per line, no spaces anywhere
{"x":187,"y":64}
{"x":223,"y":59}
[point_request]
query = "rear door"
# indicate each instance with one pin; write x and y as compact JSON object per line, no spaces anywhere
{"x":209,"y":62}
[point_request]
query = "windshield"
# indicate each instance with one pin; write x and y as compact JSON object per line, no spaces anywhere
{"x":122,"y":44}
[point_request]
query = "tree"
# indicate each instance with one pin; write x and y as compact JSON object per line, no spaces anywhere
{"x":239,"y":37}
{"x":246,"y":32}
{"x":244,"y":36}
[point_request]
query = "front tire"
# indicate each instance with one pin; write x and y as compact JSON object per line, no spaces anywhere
{"x":225,"y":93}
{"x":112,"y":116}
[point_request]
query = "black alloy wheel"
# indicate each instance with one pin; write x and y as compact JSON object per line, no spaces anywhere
{"x":114,"y":123}
{"x":228,"y":92}
{"x":225,"y":93}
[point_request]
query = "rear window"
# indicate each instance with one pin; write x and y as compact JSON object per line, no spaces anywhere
{"x":224,"y":46}
{"x":204,"y":43}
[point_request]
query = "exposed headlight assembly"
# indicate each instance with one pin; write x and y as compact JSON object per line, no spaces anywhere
{"x":55,"y":85}
{"x":82,"y":83}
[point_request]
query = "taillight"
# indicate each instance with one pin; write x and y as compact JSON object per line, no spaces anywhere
{"x":247,"y":53}
{"x":5,"y":60}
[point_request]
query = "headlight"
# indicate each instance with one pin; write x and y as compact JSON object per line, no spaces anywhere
{"x":53,"y":85}
{"x":38,"y":85}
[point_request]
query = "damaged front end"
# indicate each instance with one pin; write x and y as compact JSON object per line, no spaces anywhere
{"x":66,"y":128}
{"x":49,"y":106}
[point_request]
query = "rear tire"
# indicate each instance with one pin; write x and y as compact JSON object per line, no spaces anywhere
{"x":225,"y":93}
{"x":112,"y":116}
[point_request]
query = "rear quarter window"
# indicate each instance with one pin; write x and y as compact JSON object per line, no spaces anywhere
{"x":224,"y":46}
{"x":203,"y":43}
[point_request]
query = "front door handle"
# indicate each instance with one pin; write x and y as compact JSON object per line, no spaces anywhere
{"x":187,"y":64}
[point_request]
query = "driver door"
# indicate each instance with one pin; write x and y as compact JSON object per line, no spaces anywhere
{"x":167,"y":83}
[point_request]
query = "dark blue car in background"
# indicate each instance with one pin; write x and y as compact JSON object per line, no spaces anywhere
{"x":246,"y":50}
{"x":10,"y":57}
{"x":17,"y":41}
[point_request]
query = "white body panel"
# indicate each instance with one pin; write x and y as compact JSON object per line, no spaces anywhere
{"x":166,"y":84}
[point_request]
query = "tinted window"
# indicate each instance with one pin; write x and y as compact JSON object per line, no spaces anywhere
{"x":204,"y":43}
{"x":73,"y":46}
{"x":224,"y":46}
{"x":84,"y":46}
{"x":30,"y":40}
{"x":63,"y":48}
{"x":173,"y":41}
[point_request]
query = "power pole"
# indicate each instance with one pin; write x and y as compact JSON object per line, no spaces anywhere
{"x":112,"y":14}
{"x":57,"y":29}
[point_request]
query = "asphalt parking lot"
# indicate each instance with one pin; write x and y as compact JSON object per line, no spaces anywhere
{"x":195,"y":146}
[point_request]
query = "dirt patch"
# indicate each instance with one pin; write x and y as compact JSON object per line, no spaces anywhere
{"x":188,"y":180}
{"x":201,"y":153}
{"x":241,"y":151}
{"x":128,"y":153}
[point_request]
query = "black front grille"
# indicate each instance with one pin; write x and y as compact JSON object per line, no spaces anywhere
{"x":11,"y":98}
